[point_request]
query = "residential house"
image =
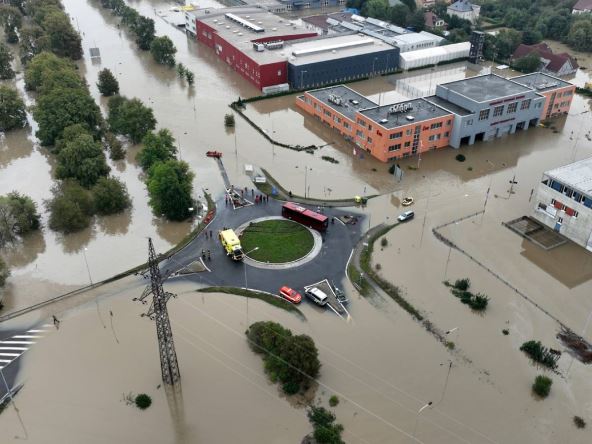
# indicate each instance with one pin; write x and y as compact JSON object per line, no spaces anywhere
{"x":464,"y":9}
{"x":561,"y":64}
{"x":432,"y":21}
{"x":582,"y":7}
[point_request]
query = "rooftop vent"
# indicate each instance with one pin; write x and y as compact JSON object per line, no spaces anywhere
{"x":383,"y":121}
{"x":335,"y":99}
{"x":354,"y":102}
{"x":410,"y":118}
{"x":400,"y":108}
{"x":274,"y":29}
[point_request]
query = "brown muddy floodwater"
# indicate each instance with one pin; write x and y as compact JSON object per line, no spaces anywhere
{"x":383,"y":366}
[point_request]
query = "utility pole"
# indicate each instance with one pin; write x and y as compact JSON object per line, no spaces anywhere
{"x":166,"y":346}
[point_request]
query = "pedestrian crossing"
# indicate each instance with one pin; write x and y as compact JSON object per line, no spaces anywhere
{"x":13,"y":347}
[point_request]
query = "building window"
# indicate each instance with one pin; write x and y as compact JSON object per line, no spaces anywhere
{"x":336,"y":119}
{"x":446,"y":134}
{"x":359,"y":133}
{"x":396,"y":135}
{"x":369,"y":139}
{"x":498,"y":111}
{"x":394,"y":147}
{"x":432,"y":138}
{"x":408,"y":132}
{"x":327,"y":113}
{"x":407,"y":144}
{"x":448,"y":122}
{"x":469,"y":122}
{"x":512,"y":107}
{"x":436,"y":125}
{"x":525,"y":104}
{"x":346,"y":125}
{"x":484,"y":114}
{"x":362,"y":122}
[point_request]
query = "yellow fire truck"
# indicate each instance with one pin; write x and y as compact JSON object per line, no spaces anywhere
{"x":231,"y":244}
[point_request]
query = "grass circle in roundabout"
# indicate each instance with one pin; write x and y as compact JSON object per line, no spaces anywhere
{"x":277,"y":241}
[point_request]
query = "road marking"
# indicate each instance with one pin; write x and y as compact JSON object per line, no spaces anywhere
{"x":10,"y":354}
{"x":27,"y":337}
{"x":4,"y":360}
{"x":18,"y":342}
{"x":36,"y":331}
{"x":14,"y":348}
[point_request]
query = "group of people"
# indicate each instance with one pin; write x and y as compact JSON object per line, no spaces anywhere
{"x":203,"y":255}
{"x":261,"y":198}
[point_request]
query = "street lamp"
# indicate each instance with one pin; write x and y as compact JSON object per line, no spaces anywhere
{"x":86,"y":262}
{"x":428,"y":405}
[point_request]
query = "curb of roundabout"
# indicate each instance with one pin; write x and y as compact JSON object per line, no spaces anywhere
{"x":316,"y":249}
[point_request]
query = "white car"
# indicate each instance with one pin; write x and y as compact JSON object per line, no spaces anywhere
{"x":407,"y":215}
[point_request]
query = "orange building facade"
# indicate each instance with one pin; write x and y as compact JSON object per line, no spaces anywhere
{"x":387,"y":132}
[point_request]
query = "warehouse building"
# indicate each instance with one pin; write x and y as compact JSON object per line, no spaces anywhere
{"x":563,"y":201}
{"x":462,"y":112}
{"x":339,"y":58}
{"x":251,"y":40}
{"x":433,"y":56}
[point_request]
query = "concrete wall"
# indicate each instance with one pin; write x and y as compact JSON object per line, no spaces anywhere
{"x":314,"y":75}
{"x":578,"y":229}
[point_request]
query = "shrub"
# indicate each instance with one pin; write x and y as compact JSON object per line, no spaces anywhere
{"x":540,"y":354}
{"x":143,"y":401}
{"x":325,"y":431}
{"x":378,"y":267}
{"x":462,"y":284}
{"x":450,"y":345}
{"x":12,"y":109}
{"x":383,"y":242}
{"x":21,"y":211}
{"x":115,"y":147}
{"x":189,"y":76}
{"x":330,"y":159}
{"x":110,"y":196}
{"x":506,"y":332}
{"x":181,"y":70}
{"x":333,"y":401}
{"x":579,"y":422}
{"x":460,"y":157}
{"x":4,"y":273}
{"x":229,"y":120}
{"x":542,"y":385}
{"x":479,"y":302}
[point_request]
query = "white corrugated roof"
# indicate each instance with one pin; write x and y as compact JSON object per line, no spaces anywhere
{"x":435,"y":52}
{"x":575,"y":175}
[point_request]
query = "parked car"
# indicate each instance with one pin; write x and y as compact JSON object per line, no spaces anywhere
{"x":290,"y":295}
{"x":407,"y":215}
{"x":317,"y":296}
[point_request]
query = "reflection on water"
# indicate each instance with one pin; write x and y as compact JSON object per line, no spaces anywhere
{"x":116,"y":224}
{"x":15,"y":145}
{"x":74,"y":242}
{"x":24,"y":252}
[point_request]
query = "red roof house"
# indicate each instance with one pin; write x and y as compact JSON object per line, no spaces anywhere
{"x":557,"y":64}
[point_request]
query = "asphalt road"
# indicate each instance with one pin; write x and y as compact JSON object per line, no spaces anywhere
{"x":330,"y":263}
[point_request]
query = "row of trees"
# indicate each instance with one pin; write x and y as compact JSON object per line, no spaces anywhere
{"x":163,"y":50}
{"x":169,"y":180}
{"x":539,"y":19}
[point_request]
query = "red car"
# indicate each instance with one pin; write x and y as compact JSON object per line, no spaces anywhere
{"x":291,"y":295}
{"x":215,"y":154}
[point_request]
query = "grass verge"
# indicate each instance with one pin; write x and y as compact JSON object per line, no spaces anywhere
{"x":358,"y":280}
{"x":277,"y":241}
{"x":265,"y":297}
{"x":392,"y":290}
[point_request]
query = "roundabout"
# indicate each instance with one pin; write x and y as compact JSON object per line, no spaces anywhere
{"x":274,"y":242}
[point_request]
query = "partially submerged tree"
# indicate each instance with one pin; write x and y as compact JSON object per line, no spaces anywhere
{"x":130,"y":117}
{"x":158,"y":147}
{"x":82,"y":159}
{"x":12,"y":109}
{"x":107,"y":83}
{"x":6,"y":58}
{"x":71,"y":207}
{"x":110,"y":196}
{"x":163,"y":50}
{"x":170,"y":185}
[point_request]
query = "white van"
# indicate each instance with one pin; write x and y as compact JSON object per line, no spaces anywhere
{"x":318,"y":297}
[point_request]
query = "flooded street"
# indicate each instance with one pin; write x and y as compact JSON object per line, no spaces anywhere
{"x":382,"y":364}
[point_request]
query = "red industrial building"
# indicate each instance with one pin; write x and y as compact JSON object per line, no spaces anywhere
{"x":251,"y":40}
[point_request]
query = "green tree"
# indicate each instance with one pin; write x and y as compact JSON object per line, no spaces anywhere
{"x":580,"y":35}
{"x":115,"y":147}
{"x":189,"y":76}
{"x":158,"y":147}
{"x":62,"y":107}
{"x":82,"y":159}
{"x":267,"y":336}
{"x":542,"y":385}
{"x":130,"y":117}
{"x":6,"y":71}
{"x":376,"y":8}
{"x":527,"y":64}
{"x":46,"y":71}
{"x":12,"y":109}
{"x":143,"y":27}
{"x":170,"y":186}
{"x":107,"y":83}
{"x":325,"y":430}
{"x":110,"y":196}
{"x":181,"y":70}
{"x":531,"y":36}
{"x":69,"y":134}
{"x":12,"y":19}
{"x":163,"y":50}
{"x":63,"y":39}
{"x":416,"y":20}
{"x":4,"y":273}
{"x":301,"y":362}
{"x":33,"y":41}
{"x":71,"y":207}
{"x":21,"y":210}
{"x":398,"y":15}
